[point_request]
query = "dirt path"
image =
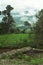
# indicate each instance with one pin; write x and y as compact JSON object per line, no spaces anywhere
{"x":23,"y":50}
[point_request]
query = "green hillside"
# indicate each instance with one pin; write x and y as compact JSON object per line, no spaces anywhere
{"x":13,"y":40}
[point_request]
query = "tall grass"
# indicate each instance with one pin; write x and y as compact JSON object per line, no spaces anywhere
{"x":13,"y":40}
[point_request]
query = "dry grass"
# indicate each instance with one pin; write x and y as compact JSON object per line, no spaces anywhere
{"x":23,"y":59}
{"x":13,"y":62}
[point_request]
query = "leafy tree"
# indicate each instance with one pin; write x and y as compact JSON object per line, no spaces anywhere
{"x":4,"y":12}
{"x":27,"y":25}
{"x":0,"y":12}
{"x":9,"y":8}
{"x":38,"y":30}
{"x":7,"y":20}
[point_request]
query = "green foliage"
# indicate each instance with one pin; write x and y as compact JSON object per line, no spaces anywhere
{"x":7,"y":20}
{"x":38,"y":30}
{"x":18,"y":55}
{"x":26,"y":23}
{"x":0,"y":12}
{"x":14,"y":40}
{"x":9,"y":8}
{"x":4,"y":12}
{"x":19,"y":58}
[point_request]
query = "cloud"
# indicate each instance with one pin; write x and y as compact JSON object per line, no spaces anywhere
{"x":22,"y":13}
{"x":23,"y":19}
{"x":20,"y":4}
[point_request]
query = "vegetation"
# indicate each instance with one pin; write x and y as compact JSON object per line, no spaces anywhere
{"x":14,"y":40}
{"x":38,"y":30}
{"x":7,"y":20}
{"x":33,"y":39}
{"x":8,"y":24}
{"x":20,"y":58}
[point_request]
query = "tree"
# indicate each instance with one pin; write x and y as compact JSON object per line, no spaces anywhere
{"x":27,"y":25}
{"x":0,"y":12}
{"x":38,"y":30}
{"x":4,"y":12}
{"x":7,"y":20}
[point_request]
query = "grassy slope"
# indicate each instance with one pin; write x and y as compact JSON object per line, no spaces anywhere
{"x":12,"y":39}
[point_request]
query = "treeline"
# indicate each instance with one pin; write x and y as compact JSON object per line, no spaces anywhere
{"x":38,"y":31}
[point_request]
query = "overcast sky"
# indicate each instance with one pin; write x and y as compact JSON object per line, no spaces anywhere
{"x":20,"y":4}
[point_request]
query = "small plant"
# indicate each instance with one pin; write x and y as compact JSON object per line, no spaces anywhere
{"x":3,"y":56}
{"x":18,"y":55}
